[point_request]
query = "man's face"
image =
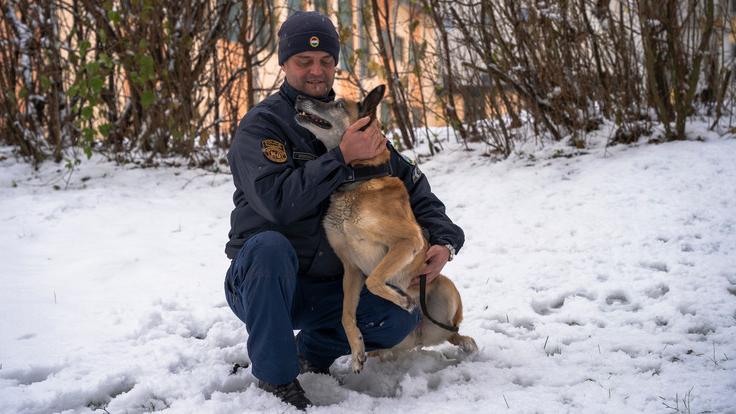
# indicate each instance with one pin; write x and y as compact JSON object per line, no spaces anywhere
{"x":311,"y":73}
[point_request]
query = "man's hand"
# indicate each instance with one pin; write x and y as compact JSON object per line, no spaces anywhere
{"x":362,"y":145}
{"x":437,"y":257}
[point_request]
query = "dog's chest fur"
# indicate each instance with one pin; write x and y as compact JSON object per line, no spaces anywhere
{"x":364,"y":220}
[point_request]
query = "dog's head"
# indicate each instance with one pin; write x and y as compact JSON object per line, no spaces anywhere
{"x":329,"y":120}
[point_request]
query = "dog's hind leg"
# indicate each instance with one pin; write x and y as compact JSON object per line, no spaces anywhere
{"x":399,"y":256}
{"x":352,"y":283}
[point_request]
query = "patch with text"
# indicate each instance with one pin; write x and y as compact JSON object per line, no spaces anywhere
{"x":274,"y":150}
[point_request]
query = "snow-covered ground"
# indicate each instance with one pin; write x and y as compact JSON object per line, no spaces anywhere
{"x":602,"y":282}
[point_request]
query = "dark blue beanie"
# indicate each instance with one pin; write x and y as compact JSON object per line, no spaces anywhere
{"x":305,"y":31}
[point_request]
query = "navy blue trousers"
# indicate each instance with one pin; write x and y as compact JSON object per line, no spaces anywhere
{"x":263,"y":289}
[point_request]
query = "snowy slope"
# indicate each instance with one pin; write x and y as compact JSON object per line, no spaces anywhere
{"x":604,"y":282}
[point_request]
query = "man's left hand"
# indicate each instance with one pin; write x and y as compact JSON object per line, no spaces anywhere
{"x":437,"y":257}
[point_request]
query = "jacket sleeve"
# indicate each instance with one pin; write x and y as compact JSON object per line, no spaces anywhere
{"x":282,"y":193}
{"x":428,"y":209}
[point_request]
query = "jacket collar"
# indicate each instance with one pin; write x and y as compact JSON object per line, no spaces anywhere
{"x":290,"y":94}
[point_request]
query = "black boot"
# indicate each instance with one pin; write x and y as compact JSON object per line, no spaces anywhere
{"x":305,"y":366}
{"x":291,"y":393}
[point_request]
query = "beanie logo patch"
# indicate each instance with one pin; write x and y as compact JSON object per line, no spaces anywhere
{"x":314,"y":41}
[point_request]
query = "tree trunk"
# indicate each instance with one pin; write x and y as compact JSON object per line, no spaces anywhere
{"x":394,"y":85}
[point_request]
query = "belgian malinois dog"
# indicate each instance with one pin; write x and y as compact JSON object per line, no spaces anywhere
{"x":372,"y":228}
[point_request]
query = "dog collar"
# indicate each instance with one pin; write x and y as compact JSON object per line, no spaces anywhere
{"x":363,"y":173}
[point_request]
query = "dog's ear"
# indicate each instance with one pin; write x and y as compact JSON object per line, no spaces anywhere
{"x":370,"y":103}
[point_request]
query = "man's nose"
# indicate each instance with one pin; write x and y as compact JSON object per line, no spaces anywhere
{"x":315,"y":69}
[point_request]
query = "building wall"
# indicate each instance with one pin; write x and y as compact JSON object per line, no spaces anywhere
{"x":353,"y":70}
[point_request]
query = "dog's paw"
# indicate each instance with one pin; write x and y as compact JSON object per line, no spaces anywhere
{"x":358,"y":361}
{"x":468,"y":345}
{"x":408,"y":304}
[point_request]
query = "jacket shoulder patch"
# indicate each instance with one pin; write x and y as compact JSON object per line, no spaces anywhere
{"x":273,"y":150}
{"x":416,"y":174}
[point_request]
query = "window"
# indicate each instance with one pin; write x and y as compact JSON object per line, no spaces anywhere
{"x":293,"y":5}
{"x":417,"y":52}
{"x":345,"y":29}
{"x":416,"y":116}
{"x":320,"y":6}
{"x":385,"y":113}
{"x":412,"y":54}
{"x":398,"y":43}
{"x":262,"y":28}
{"x":399,"y":49}
{"x":232,"y":25}
{"x":363,"y":48}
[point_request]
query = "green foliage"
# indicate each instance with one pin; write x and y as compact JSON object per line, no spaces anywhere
{"x":375,"y":68}
{"x":113,"y":16}
{"x":91,"y":71}
{"x":45,"y":82}
{"x":147,"y":99}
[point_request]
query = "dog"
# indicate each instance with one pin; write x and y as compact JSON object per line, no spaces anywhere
{"x":371,"y":227}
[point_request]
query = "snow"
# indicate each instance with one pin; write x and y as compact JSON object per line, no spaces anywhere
{"x":598,"y":282}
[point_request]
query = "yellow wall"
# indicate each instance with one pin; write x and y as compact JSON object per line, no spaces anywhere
{"x":270,"y":74}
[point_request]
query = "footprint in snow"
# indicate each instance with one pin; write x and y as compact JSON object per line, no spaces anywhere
{"x":547,"y":306}
{"x":30,"y":375}
{"x":702,"y":329}
{"x":657,"y":266}
{"x":618,"y":300}
{"x":657,"y":291}
{"x":686,"y":309}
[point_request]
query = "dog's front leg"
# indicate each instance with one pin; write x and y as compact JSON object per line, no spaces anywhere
{"x":352,"y":283}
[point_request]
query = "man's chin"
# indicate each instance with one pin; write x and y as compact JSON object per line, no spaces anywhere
{"x":315,"y":90}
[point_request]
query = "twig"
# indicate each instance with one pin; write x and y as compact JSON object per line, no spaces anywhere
{"x":686,"y":402}
{"x":713,"y":358}
{"x":193,"y":178}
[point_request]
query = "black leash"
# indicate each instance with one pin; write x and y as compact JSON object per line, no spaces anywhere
{"x":423,"y":304}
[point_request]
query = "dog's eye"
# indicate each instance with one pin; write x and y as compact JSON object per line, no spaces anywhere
{"x":341,"y":104}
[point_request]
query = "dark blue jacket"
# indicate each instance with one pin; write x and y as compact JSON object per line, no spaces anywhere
{"x":291,"y":194}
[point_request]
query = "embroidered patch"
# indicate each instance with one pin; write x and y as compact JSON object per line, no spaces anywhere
{"x":416,"y":174}
{"x":273,"y":150}
{"x":314,"y":41}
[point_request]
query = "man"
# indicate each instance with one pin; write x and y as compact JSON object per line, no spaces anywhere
{"x":284,"y":275}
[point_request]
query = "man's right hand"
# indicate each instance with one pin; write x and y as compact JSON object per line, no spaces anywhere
{"x":362,"y":145}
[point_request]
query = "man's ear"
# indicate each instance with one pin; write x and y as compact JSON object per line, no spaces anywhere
{"x":370,"y":103}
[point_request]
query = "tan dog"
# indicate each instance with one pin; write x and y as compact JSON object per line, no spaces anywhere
{"x":371,"y":227}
